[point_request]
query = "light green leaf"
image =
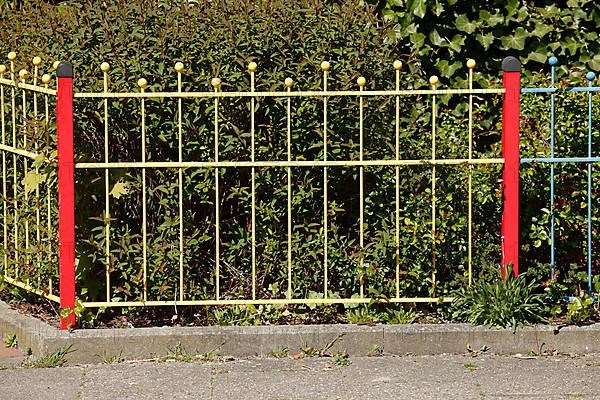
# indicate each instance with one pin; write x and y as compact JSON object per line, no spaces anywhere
{"x":515,"y":41}
{"x":435,"y":38}
{"x":457,"y":42}
{"x":485,"y":40}
{"x":463,"y":24}
{"x":119,"y":189}
{"x":541,"y":30}
{"x":33,"y":180}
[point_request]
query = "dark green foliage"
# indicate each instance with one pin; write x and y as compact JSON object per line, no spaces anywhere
{"x":503,"y":303}
{"x":441,"y":34}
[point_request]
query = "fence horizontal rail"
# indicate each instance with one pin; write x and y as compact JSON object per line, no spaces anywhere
{"x":232,"y":302}
{"x":19,"y":152}
{"x":332,"y":93}
{"x":308,"y":164}
{"x":556,"y":160}
{"x":27,"y":86}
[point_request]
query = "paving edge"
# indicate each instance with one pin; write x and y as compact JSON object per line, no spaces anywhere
{"x":91,"y":345}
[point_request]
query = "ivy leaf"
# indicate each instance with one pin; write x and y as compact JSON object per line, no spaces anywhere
{"x":485,"y":40}
{"x":447,"y":69}
{"x":417,"y":7}
{"x":515,"y":41}
{"x":435,"y":38}
{"x":457,"y":42}
{"x":541,"y":30}
{"x":463,"y":24}
{"x":490,"y":19}
{"x":539,"y":55}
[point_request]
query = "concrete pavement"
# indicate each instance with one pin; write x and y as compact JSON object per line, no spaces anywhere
{"x":486,"y":376}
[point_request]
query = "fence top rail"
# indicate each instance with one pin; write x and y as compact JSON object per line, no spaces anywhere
{"x":27,"y":86}
{"x":332,"y":93}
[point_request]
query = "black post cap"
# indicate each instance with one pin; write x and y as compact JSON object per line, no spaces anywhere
{"x":511,"y":64}
{"x":64,"y":70}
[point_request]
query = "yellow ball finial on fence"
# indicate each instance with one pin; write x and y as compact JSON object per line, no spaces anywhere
{"x":471,"y":63}
{"x":289,"y":82}
{"x":215,"y":82}
{"x":434,"y":81}
{"x":55,"y":65}
{"x":361,"y":81}
{"x":37,"y":61}
{"x":397,"y":65}
{"x":179,"y":67}
{"x":23,"y":74}
{"x":252,"y":67}
{"x":325,"y":66}
{"x":12,"y":56}
{"x":104,"y":67}
{"x":2,"y":69}
{"x":142,"y":83}
{"x":46,"y":79}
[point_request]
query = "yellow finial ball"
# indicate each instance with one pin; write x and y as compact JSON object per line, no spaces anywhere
{"x":55,"y":65}
{"x":2,"y":69}
{"x":142,"y":83}
{"x":252,"y":67}
{"x":23,"y":74}
{"x":471,"y":63}
{"x":46,"y":79}
{"x":179,"y":67}
{"x":104,"y":67}
{"x":361,"y":81}
{"x":397,"y":65}
{"x":289,"y":82}
{"x":12,"y":56}
{"x":215,"y":82}
{"x":37,"y":61}
{"x":325,"y":66}
{"x":434,"y":80}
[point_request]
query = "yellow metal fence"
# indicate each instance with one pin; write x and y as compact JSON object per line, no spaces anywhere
{"x":28,"y":231}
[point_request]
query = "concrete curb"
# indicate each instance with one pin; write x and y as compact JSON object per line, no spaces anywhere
{"x":90,"y":345}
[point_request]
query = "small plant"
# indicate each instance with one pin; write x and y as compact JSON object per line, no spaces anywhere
{"x":580,"y":310}
{"x":376,"y":350}
{"x":179,"y":353}
{"x":362,"y":315}
{"x":112,"y":359}
{"x":399,"y":316}
{"x":341,"y":359}
{"x":52,"y":360}
{"x":510,"y":302}
{"x":470,"y":366}
{"x":10,"y":340}
{"x":279,"y":353}
{"x":212,"y":355}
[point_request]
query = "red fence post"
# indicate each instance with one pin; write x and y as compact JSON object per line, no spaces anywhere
{"x":511,"y":79}
{"x":66,"y":192}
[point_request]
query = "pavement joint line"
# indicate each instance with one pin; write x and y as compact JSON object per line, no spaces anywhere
{"x":357,"y":340}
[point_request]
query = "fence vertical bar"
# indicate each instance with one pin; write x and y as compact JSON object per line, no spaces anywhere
{"x":434,"y":81}
{"x":325,"y":66}
{"x":143,"y":83}
{"x":590,"y":77}
{"x":288,"y":85}
{"x":397,"y":68}
{"x":4,"y":199}
{"x":11,"y":57}
{"x":23,"y":75}
{"x":66,"y":192}
{"x":179,"y":69}
{"x":470,"y":65}
{"x":552,"y":61}
{"x":37,"y":61}
{"x":511,"y":79}
{"x":104,"y":67}
{"x":252,"y":69}
{"x":361,"y":84}
{"x":46,"y":80}
{"x":216,"y":83}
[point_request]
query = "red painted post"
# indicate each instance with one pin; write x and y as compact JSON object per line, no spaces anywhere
{"x":511,"y":79}
{"x":66,"y":192}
